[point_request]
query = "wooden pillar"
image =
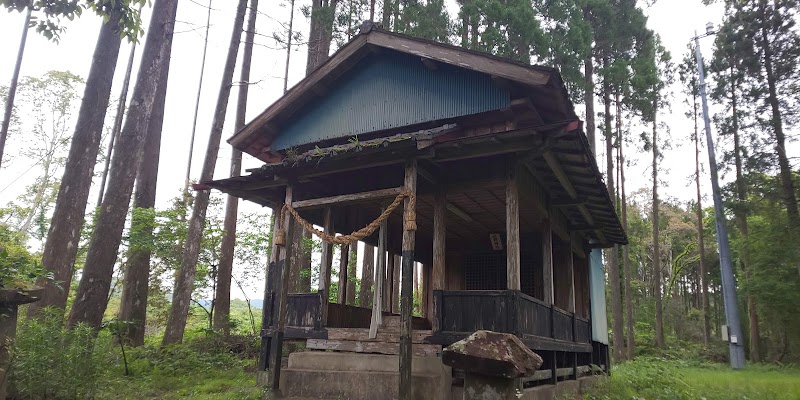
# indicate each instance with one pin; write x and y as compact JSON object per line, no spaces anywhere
{"x":387,"y":280}
{"x":439,"y":249}
{"x":426,"y":289}
{"x":512,"y":233}
{"x":380,"y":270}
{"x":282,"y":266}
{"x":396,"y":267}
{"x":406,"y":295}
{"x":326,"y":263}
{"x":267,"y":309}
{"x":547,"y":262}
{"x":344,"y":258}
{"x":571,"y":277}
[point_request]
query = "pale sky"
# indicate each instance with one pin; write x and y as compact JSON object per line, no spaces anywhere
{"x":674,"y":20}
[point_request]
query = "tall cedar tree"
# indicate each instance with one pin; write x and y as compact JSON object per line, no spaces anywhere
{"x":320,"y":32}
{"x":730,"y":80}
{"x":61,"y":245}
{"x":184,"y":280}
{"x":90,"y":301}
{"x":225,"y":271}
{"x":688,"y":76}
{"x":135,"y":285}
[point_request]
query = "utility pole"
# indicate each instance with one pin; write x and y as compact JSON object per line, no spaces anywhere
{"x":726,"y":269}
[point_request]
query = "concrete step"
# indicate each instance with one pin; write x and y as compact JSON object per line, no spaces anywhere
{"x":358,"y":385}
{"x":331,"y":361}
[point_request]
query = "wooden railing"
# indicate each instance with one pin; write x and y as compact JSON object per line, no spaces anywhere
{"x":507,"y":311}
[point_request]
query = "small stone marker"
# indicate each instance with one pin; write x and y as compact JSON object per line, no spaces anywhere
{"x":492,"y":362}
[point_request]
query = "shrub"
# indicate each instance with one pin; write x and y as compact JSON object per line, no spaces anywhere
{"x":49,"y":361}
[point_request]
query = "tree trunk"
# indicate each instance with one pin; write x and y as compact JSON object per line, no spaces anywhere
{"x":740,"y":211}
{"x":90,"y":301}
{"x":367,"y":277}
{"x":344,"y":258}
{"x":787,"y":183}
{"x":701,"y":233}
{"x":300,"y":262}
{"x":617,"y":329}
{"x":61,"y":246}
{"x":320,"y":32}
{"x":288,"y":47}
{"x":626,"y":259}
{"x":656,"y":246}
{"x":133,"y":305}
{"x":184,"y":280}
{"x":12,"y":88}
{"x":197,"y":107}
{"x":351,"y":274}
{"x":588,"y":93}
{"x":115,"y":130}
{"x":225,"y":270}
{"x":386,"y":14}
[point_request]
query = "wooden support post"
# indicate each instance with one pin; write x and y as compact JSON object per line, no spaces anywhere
{"x":554,"y":369}
{"x":396,"y":268}
{"x":269,"y":289}
{"x":387,"y":280}
{"x":439,"y":249}
{"x":326,"y":263}
{"x":380,"y":270}
{"x":425,"y":298}
{"x":571,"y":279}
{"x":406,"y":295}
{"x":512,"y":232}
{"x":282,"y":306}
{"x":344,"y":258}
{"x":547,"y":262}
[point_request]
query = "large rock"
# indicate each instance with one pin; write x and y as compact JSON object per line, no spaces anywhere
{"x":492,"y":354}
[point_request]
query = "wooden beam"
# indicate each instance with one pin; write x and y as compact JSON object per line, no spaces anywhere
{"x":406,"y":295}
{"x":571,"y":278}
{"x":547,"y":262}
{"x":459,"y":212}
{"x":348,"y":198}
{"x":326,"y":263}
{"x":462,"y":59}
{"x":344,"y":259}
{"x":439,"y":251}
{"x":512,"y":232}
{"x":419,"y":350}
{"x":380,"y":270}
{"x":282,"y":305}
{"x":396,"y":269}
{"x":269,"y":288}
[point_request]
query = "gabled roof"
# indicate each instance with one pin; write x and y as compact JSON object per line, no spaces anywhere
{"x":256,"y":137}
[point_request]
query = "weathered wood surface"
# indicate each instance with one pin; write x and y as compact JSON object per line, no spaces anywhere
{"x":439,"y":242}
{"x":492,"y":354}
{"x":562,"y":325}
{"x":383,"y":335}
{"x":344,"y":259}
{"x":409,"y":214}
{"x":419,"y":350}
{"x":547,"y":261}
{"x":512,"y":233}
{"x":346,"y":199}
{"x":571,"y":279}
{"x":281,"y":307}
{"x":380,"y":271}
{"x":326,"y":263}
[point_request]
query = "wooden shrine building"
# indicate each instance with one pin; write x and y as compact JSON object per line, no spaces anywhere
{"x":509,"y":207}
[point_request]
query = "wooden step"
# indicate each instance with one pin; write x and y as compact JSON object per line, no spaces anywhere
{"x":384,"y":335}
{"x":357,"y":346}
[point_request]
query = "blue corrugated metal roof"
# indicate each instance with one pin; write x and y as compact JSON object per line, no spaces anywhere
{"x":390,"y":90}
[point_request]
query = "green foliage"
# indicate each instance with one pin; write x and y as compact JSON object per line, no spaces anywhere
{"x":658,"y":378}
{"x":18,"y":267}
{"x":49,"y":361}
{"x":49,"y":15}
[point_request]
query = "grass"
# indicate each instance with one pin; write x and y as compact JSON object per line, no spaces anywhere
{"x":653,"y":378}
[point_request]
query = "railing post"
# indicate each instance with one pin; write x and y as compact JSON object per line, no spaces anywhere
{"x":438,"y":315}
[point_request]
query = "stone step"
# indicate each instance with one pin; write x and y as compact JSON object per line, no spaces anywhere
{"x":359,"y":385}
{"x":383,"y":335}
